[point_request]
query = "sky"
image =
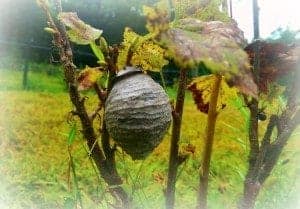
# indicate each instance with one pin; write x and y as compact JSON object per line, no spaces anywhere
{"x":273,"y":14}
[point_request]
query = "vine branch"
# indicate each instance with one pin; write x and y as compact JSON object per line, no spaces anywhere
{"x":104,"y":161}
{"x":174,"y":161}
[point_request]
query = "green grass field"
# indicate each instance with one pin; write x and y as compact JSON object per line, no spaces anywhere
{"x":34,"y":163}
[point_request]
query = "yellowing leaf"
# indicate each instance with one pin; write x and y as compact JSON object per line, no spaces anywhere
{"x":203,"y":10}
{"x":80,"y":32}
{"x":88,"y":77}
{"x":149,"y":56}
{"x":129,"y":40}
{"x":273,"y":101}
{"x":144,"y":53}
{"x":216,"y":44}
{"x":157,"y":19}
{"x":219,"y":45}
{"x":201,"y":88}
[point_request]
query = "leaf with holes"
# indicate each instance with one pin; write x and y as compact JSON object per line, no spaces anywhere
{"x":141,"y":52}
{"x":149,"y":56}
{"x":218,"y":45}
{"x":201,"y":88}
{"x":157,"y":18}
{"x":130,"y":39}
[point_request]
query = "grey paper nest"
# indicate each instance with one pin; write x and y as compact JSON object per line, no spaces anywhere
{"x":138,"y":113}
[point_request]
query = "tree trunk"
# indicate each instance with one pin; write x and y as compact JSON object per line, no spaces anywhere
{"x":255,"y":18}
{"x":251,"y":190}
{"x":230,"y":9}
{"x":251,"y":184}
{"x":25,"y":76}
{"x":225,"y":6}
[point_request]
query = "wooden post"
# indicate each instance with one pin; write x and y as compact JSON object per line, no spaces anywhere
{"x":25,"y":75}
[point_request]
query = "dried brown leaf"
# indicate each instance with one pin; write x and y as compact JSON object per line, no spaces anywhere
{"x":217,"y":45}
{"x":275,"y":60}
{"x":88,"y":77}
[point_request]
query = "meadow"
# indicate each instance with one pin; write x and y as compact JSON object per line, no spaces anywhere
{"x":35,"y":168}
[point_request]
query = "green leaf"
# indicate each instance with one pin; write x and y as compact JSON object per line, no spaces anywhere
{"x":79,"y":32}
{"x":239,"y":104}
{"x":273,"y":101}
{"x":72,"y":134}
{"x":97,"y":51}
{"x":103,"y":45}
{"x":50,"y":30}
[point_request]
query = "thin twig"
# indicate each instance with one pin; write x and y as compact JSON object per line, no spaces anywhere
{"x":95,"y":113}
{"x":100,"y":93}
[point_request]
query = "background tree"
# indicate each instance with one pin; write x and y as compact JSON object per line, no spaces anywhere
{"x":284,"y":36}
{"x":20,"y":34}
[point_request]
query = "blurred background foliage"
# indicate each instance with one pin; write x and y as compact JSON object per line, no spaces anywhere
{"x":23,"y":39}
{"x":22,"y":24}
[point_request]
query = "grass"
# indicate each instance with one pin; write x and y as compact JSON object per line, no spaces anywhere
{"x":39,"y":80}
{"x":34,"y":163}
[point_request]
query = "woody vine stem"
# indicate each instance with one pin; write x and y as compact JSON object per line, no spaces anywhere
{"x":265,"y":153}
{"x":104,"y":160}
{"x":174,"y":160}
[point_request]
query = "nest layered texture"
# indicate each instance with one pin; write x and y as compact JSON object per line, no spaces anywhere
{"x":138,"y":114}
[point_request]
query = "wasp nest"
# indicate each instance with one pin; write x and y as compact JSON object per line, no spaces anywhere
{"x":137,"y":113}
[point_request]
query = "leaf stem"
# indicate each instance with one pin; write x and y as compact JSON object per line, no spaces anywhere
{"x":210,"y":131}
{"x":163,"y":79}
